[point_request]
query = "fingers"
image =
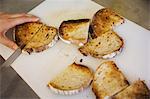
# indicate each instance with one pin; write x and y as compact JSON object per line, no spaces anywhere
{"x":20,"y":19}
{"x":17,"y":15}
{"x":5,"y":41}
{"x":8,"y":21}
{"x":1,"y":13}
{"x":11,"y":20}
{"x":8,"y":15}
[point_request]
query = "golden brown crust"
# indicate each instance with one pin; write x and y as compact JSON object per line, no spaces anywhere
{"x":95,"y":46}
{"x":41,"y":34}
{"x":28,"y":31}
{"x":76,"y":76}
{"x":108,"y":80}
{"x":81,"y":67}
{"x":70,"y":26}
{"x":103,"y":21}
{"x":75,"y":31}
{"x":137,"y":90}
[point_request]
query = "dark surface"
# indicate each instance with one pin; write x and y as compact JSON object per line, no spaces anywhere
{"x":14,"y":6}
{"x":13,"y":87}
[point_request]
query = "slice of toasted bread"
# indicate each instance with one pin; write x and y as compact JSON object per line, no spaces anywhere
{"x":137,"y":90}
{"x":108,"y":80}
{"x":43,"y":36}
{"x":75,"y":31}
{"x":105,"y":46}
{"x":72,"y":80}
{"x":104,"y":20}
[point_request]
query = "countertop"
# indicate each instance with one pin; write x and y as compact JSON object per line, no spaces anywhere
{"x":13,"y":87}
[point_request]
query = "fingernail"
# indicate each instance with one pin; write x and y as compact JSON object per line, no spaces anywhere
{"x":29,"y":15}
{"x":36,"y":19}
{"x":32,"y":17}
{"x":15,"y":47}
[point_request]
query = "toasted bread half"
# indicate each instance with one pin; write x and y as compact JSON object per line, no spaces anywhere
{"x":72,"y":80}
{"x":104,"y":20}
{"x":36,"y":35}
{"x":137,"y":90}
{"x":75,"y":31}
{"x":108,"y":80}
{"x":106,"y":46}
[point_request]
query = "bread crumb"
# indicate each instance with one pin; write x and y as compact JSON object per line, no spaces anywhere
{"x":81,"y":60}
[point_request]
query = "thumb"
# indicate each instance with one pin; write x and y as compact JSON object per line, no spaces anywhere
{"x":7,"y":42}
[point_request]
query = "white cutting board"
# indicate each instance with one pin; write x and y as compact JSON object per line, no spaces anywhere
{"x":39,"y":68}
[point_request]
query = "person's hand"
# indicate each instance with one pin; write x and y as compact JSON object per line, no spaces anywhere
{"x":8,"y":21}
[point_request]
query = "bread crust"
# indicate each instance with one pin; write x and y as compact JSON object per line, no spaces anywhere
{"x":108,"y":80}
{"x":74,"y":31}
{"x":85,"y":51}
{"x":104,"y":20}
{"x":137,"y":90}
{"x":70,"y":91}
{"x":24,"y":32}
